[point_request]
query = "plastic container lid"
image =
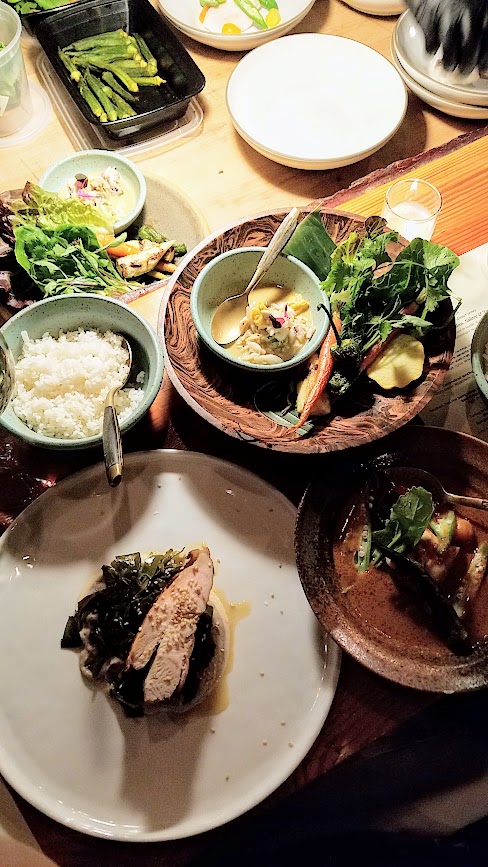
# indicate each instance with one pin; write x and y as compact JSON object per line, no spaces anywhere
{"x":40,"y":117}
{"x":84,"y":136}
{"x":15,"y":98}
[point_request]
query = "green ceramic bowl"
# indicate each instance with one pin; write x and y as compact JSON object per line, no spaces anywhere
{"x":67,"y":313}
{"x":92,"y":163}
{"x":479,"y":365}
{"x":229,"y":273}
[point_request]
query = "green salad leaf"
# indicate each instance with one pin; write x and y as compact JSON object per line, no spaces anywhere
{"x":372,"y":302}
{"x":66,"y":260}
{"x":37,"y":207}
{"x":409,"y":518}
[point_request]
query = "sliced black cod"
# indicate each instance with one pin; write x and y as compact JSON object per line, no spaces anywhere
{"x":168,"y":630}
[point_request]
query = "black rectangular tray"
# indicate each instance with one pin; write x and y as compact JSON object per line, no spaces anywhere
{"x":31,"y":20}
{"x":156,"y":105}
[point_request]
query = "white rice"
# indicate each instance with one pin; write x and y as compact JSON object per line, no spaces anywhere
{"x":62,"y":382}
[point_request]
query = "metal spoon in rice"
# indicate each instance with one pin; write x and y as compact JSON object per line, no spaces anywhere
{"x":112,"y":441}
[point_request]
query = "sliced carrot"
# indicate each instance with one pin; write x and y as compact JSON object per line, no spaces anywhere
{"x":125,"y":249}
{"x":203,"y":13}
{"x":105,"y":238}
{"x":324,"y":372}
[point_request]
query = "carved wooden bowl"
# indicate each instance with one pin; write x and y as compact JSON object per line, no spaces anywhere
{"x":227,"y":399}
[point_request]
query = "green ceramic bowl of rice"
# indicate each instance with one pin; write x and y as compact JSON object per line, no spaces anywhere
{"x":68,"y":354}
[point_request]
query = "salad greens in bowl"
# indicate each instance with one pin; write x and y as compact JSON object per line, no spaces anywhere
{"x":109,"y":181}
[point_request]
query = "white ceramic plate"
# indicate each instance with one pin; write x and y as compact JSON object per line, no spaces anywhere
{"x":184,"y":15}
{"x":317,"y":116}
{"x":70,"y":750}
{"x":455,"y":109}
{"x":377,"y":7}
{"x":409,"y":44}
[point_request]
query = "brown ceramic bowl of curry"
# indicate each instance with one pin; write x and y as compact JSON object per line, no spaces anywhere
{"x":363,"y":523}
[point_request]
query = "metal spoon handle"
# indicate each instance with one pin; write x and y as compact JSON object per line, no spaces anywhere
{"x":472,"y":502}
{"x":112,"y":443}
{"x":275,"y":246}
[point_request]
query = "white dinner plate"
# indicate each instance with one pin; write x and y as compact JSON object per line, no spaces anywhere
{"x":455,"y":109}
{"x":301,"y":100}
{"x":69,"y":749}
{"x":409,"y":43}
{"x":184,"y":14}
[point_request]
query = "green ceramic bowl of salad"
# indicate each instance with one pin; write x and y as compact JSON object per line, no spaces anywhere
{"x":107,"y":180}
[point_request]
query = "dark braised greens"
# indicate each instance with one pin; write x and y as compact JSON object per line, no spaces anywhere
{"x":114,"y":613}
{"x":111,"y":616}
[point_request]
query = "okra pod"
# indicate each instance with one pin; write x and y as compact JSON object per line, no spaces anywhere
{"x":108,"y":55}
{"x":90,"y":99}
{"x":154,"y":81}
{"x":138,"y":66}
{"x":126,"y":79}
{"x":123,"y":107}
{"x":91,"y":43}
{"x":250,"y":10}
{"x":144,"y":49}
{"x":114,"y":84}
{"x":97,"y":89}
{"x":74,"y":73}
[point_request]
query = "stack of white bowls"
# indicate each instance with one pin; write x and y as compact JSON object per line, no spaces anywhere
{"x":452,"y":93}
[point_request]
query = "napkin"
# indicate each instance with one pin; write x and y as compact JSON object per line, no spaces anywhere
{"x":458,"y":405}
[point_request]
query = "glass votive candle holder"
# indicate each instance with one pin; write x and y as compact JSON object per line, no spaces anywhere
{"x":411,"y":208}
{"x":15,"y":98}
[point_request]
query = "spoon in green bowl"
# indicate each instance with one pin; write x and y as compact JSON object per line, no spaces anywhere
{"x":228,"y":315}
{"x":112,"y":441}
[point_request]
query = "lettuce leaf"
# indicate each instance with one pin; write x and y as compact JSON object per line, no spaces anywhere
{"x":37,"y":207}
{"x":66,"y":260}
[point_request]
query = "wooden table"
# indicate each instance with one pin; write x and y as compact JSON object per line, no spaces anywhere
{"x":228,"y":180}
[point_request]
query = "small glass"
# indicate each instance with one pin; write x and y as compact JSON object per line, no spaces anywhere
{"x":411,"y":208}
{"x":15,"y":97}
